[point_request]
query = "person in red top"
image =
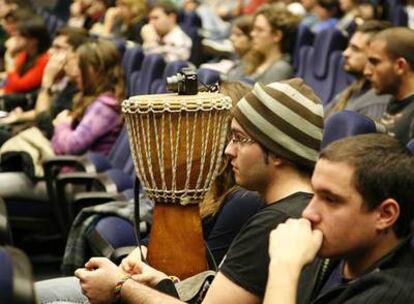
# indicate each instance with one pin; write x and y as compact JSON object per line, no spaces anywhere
{"x":31,"y":61}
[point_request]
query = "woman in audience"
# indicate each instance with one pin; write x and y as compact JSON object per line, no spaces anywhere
{"x":94,"y":123}
{"x":233,"y":69}
{"x":273,"y":36}
{"x":31,"y":61}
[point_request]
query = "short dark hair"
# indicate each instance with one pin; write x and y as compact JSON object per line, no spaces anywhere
{"x":76,"y":35}
{"x":167,"y":6}
{"x":399,"y":43}
{"x":384,"y":168}
{"x":373,"y":27}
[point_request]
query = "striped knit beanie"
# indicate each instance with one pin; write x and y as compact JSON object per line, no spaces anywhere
{"x":285,"y":117}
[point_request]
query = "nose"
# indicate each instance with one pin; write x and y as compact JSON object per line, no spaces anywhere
{"x":345,"y":53}
{"x":311,"y":212}
{"x":368,"y":70}
{"x":230,"y":150}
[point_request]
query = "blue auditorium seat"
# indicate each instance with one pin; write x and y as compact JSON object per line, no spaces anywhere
{"x":152,"y":68}
{"x":304,"y":37}
{"x":207,"y":76}
{"x":347,"y":123}
{"x":315,"y":65}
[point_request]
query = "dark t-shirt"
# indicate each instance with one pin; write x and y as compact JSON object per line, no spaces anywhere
{"x":399,"y":119}
{"x":247,"y":261}
{"x":220,"y":230}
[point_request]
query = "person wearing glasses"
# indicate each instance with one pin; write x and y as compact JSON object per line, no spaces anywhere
{"x":275,"y":141}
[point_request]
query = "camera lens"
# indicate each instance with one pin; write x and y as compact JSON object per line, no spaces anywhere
{"x":173,"y":81}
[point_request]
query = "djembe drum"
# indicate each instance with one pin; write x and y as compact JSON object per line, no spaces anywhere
{"x":177,"y":145}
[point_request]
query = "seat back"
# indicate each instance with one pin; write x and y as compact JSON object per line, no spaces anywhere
{"x":325,"y":43}
{"x":348,"y":123}
{"x":152,"y":68}
{"x":121,"y":151}
{"x":207,"y":76}
{"x":304,"y":37}
{"x":132,"y":60}
{"x":16,"y":284}
{"x":5,"y":234}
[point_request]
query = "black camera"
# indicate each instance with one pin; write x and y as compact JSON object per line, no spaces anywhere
{"x":184,"y":82}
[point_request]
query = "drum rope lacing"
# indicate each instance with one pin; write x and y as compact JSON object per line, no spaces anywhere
{"x":215,"y":125}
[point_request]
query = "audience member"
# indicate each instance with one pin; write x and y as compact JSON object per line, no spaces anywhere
{"x":359,"y":96}
{"x":390,"y":69}
{"x":273,"y":36}
{"x":360,"y":218}
{"x":31,"y":61}
{"x":266,"y":157}
{"x":233,"y":69}
{"x":162,"y":35}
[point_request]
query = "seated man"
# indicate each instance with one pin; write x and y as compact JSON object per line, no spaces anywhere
{"x":390,"y":69}
{"x":162,"y":35}
{"x":359,"y":96}
{"x":360,"y":216}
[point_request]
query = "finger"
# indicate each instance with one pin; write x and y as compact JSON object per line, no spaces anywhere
{"x":317,"y":236}
{"x":142,"y":278}
{"x":95,"y":263}
{"x":79,"y":273}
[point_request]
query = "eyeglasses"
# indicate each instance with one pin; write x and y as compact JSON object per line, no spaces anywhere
{"x":240,"y":140}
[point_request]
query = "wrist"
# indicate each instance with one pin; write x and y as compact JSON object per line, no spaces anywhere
{"x":117,"y":293}
{"x":282,"y":266}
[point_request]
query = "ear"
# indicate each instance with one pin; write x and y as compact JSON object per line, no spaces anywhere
{"x":273,"y":159}
{"x":387,"y":214}
{"x":401,"y":65}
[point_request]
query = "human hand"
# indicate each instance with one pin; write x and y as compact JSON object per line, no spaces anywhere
{"x":294,"y":243}
{"x":12,"y":117}
{"x":112,"y":14}
{"x":98,"y":280}
{"x":145,"y":274}
{"x":128,"y":264}
{"x":63,"y":117}
{"x":54,"y":68}
{"x":149,"y":35}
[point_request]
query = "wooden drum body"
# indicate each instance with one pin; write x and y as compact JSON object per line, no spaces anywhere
{"x":177,"y":144}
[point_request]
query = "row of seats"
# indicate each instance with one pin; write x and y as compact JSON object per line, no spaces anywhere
{"x":320,"y":63}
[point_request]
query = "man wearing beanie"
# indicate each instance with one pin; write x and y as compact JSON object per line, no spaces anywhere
{"x":277,"y":131}
{"x":276,"y":136}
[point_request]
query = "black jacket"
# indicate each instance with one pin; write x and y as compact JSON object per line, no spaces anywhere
{"x":391,"y":280}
